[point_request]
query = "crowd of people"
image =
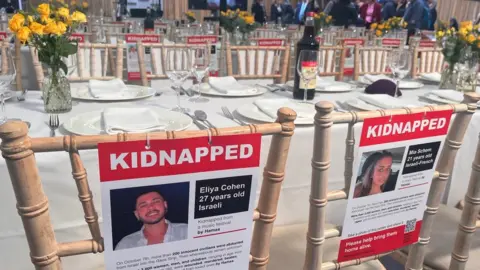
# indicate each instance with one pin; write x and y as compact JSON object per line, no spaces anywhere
{"x":419,"y":14}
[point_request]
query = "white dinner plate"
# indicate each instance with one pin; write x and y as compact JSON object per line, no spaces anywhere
{"x":209,"y":91}
{"x":437,"y":99}
{"x":428,"y":79}
{"x":90,"y":123}
{"x":361,"y":105}
{"x":404,"y":85}
{"x":252,"y":112}
{"x":135,"y":92}
{"x":348,"y":87}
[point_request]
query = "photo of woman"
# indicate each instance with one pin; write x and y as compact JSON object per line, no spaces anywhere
{"x":379,"y":172}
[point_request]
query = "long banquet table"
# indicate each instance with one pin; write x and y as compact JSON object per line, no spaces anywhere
{"x":65,"y":208}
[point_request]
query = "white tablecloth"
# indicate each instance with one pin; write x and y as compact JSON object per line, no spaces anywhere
{"x":65,"y":208}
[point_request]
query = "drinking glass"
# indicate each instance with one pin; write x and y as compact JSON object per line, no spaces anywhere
{"x":200,"y":67}
{"x":6,"y":80}
{"x":307,"y":69}
{"x":399,"y":64}
{"x":177,"y":68}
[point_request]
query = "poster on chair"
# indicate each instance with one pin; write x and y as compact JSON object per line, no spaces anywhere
{"x":179,"y":204}
{"x":214,"y":50}
{"x":392,"y":174}
{"x":133,"y":66}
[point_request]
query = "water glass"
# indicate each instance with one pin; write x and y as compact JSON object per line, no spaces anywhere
{"x":200,"y":68}
{"x":178,"y":72}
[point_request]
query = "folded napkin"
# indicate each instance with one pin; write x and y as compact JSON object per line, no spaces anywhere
{"x":228,"y":85}
{"x":434,"y":76}
{"x":271,"y":106}
{"x":383,"y":87}
{"x":385,"y":101}
{"x":131,"y":120}
{"x":107,"y":89}
{"x":451,"y":95}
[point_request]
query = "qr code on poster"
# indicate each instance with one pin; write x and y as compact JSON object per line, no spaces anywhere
{"x":410,"y":226}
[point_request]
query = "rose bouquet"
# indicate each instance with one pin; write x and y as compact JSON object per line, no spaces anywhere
{"x":241,"y":21}
{"x":190,"y":16}
{"x":322,"y":21}
{"x":48,"y":29}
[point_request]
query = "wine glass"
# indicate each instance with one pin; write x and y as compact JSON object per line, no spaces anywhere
{"x":399,"y":64}
{"x":6,"y":80}
{"x":200,"y":67}
{"x":178,"y":72}
{"x":307,"y":70}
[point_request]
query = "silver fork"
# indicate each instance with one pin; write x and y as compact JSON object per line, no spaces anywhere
{"x":53,"y":123}
{"x":230,"y":115}
{"x":23,"y":95}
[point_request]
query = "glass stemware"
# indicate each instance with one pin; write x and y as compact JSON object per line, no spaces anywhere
{"x":6,"y":80}
{"x":178,"y":72}
{"x":307,"y":69}
{"x":399,"y":64}
{"x":200,"y":67}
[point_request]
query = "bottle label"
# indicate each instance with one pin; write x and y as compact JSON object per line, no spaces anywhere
{"x":309,"y":70}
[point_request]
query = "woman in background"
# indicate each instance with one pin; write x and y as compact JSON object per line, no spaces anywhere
{"x":401,"y":7}
{"x":277,"y":11}
{"x":376,"y":171}
{"x":371,"y":12}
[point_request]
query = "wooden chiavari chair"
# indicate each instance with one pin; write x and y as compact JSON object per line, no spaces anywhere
{"x":370,"y":60}
{"x":158,"y":58}
{"x":269,"y":33}
{"x":18,"y":64}
{"x":333,"y":61}
{"x":256,"y":62}
{"x":92,"y":63}
{"x":390,"y":42}
{"x":46,"y":252}
{"x":114,"y":38}
{"x":322,"y":243}
{"x":427,"y":60}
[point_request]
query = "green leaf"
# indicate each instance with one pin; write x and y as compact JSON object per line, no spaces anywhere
{"x":63,"y":66}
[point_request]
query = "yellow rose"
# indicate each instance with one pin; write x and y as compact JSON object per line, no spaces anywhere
{"x":16,"y":22}
{"x":23,"y":34}
{"x":44,"y":9}
{"x":448,"y":32}
{"x":381,"y":26}
{"x":378,"y":33}
{"x":466,"y":24}
{"x":440,"y":34}
{"x":328,"y":19}
{"x":463,"y":32}
{"x":36,"y":28}
{"x":373,"y":26}
{"x":249,"y":20}
{"x":45,"y":19}
{"x":78,"y":16}
{"x":63,"y":12}
{"x":51,"y":28}
{"x":73,"y":3}
{"x":30,"y":19}
{"x":85,"y":4}
{"x":471,"y":38}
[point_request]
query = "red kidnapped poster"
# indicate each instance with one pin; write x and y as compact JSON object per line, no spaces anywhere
{"x":392,"y":176}
{"x":179,"y":204}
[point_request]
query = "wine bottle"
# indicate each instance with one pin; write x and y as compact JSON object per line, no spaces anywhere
{"x":307,"y":42}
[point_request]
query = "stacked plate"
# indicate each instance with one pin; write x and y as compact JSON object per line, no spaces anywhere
{"x":445,"y":97}
{"x":404,"y":85}
{"x":127,"y":120}
{"x":228,"y":87}
{"x":113,"y":90}
{"x":366,"y":102}
{"x":434,"y":77}
{"x":328,"y":85}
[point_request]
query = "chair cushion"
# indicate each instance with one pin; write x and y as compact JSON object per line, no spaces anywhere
{"x":287,"y":250}
{"x":442,"y":240}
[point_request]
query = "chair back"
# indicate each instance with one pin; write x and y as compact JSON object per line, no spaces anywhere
{"x":469,"y":221}
{"x":333,"y":61}
{"x":19,"y":151}
{"x":370,"y":60}
{"x":114,"y":38}
{"x":159,"y":56}
{"x":427,"y":60}
{"x":258,"y":62}
{"x":268,"y":33}
{"x":320,"y":194}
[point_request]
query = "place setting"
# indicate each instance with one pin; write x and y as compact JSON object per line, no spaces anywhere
{"x":114,"y":90}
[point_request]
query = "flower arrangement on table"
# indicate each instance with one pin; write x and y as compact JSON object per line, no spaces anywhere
{"x":241,"y":21}
{"x":392,"y":24}
{"x":48,"y":29}
{"x":460,"y":46}
{"x":190,"y":16}
{"x":322,"y":21}
{"x":76,"y":7}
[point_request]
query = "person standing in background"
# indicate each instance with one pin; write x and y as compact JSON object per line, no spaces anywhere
{"x":277,"y":11}
{"x":300,"y":11}
{"x":371,"y":12}
{"x":401,"y":7}
{"x":432,"y":4}
{"x":389,"y":9}
{"x":344,"y":14}
{"x":258,"y":11}
{"x":289,"y":13}
{"x":413,"y":17}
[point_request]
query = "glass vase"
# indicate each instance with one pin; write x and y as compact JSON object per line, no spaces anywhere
{"x":467,"y":72}
{"x":448,"y":80}
{"x":56,"y":92}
